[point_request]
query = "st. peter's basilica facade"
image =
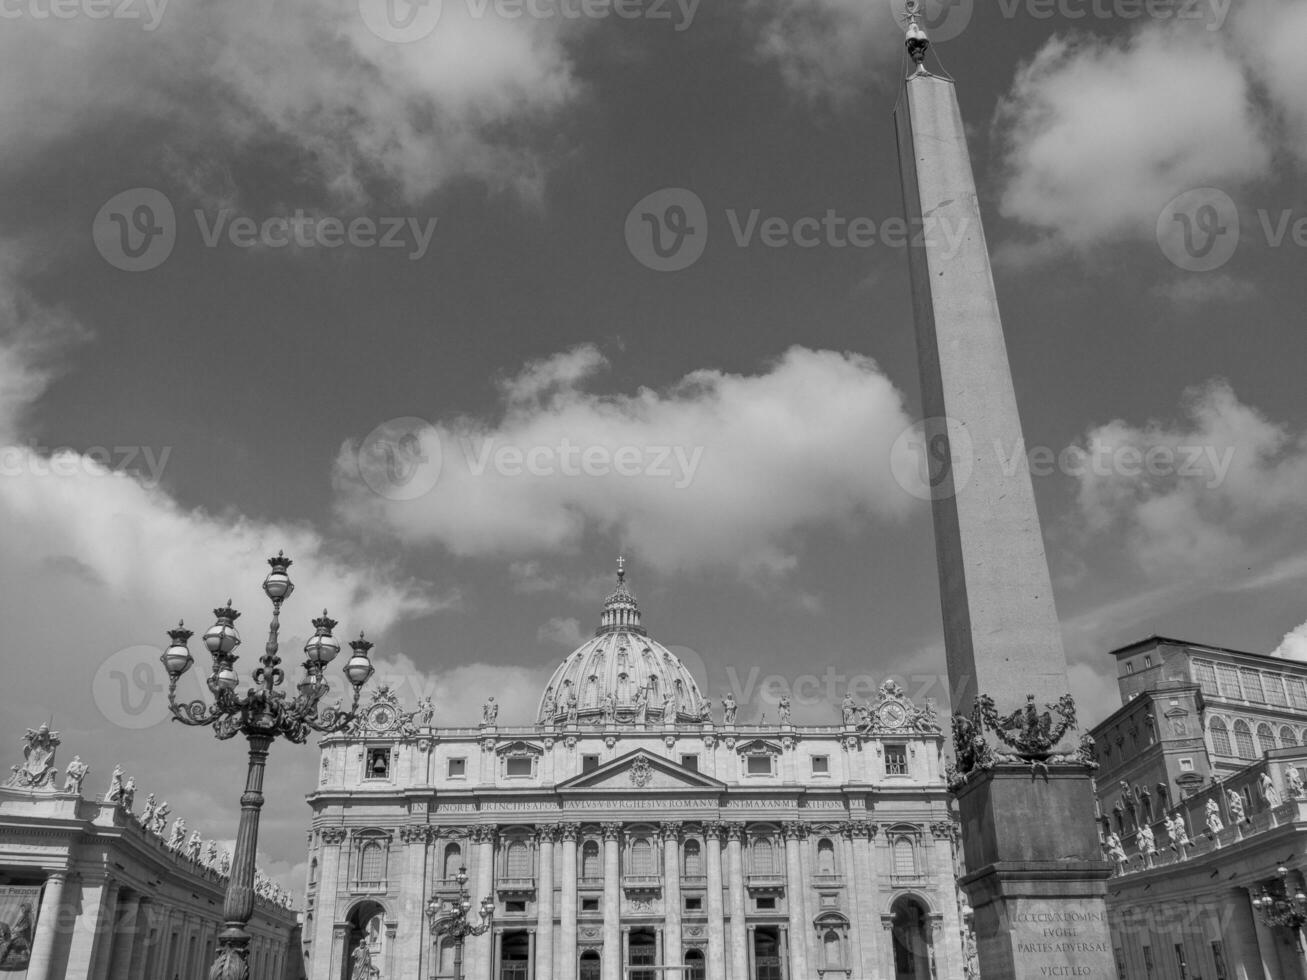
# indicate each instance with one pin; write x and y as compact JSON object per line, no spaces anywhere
{"x":630,"y":827}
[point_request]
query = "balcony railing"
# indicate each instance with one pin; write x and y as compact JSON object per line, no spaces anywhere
{"x":642,"y":883}
{"x":694,"y":881}
{"x":906,"y":880}
{"x":828,"y":880}
{"x":769,"y":881}
{"x":516,"y":886}
{"x":592,"y":882}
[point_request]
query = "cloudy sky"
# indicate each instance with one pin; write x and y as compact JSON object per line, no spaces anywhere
{"x":454,"y":301}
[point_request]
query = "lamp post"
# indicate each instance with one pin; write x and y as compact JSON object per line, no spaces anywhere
{"x":1280,"y":907}
{"x":261,"y":714}
{"x":450,"y":919}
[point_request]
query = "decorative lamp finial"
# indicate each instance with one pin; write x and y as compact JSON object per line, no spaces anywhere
{"x":916,"y":41}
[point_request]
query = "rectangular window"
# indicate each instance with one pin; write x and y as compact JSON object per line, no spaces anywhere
{"x":1298,"y":692}
{"x":519,"y":766}
{"x":694,"y":904}
{"x":766,"y":904}
{"x":1274,"y":685}
{"x":1186,"y":765}
{"x":1129,"y":666}
{"x":515,"y":906}
{"x":457,"y":767}
{"x":759,"y":765}
{"x":1227,"y":678}
{"x":896,"y":760}
{"x":1148,"y":660}
{"x":1180,"y":962}
{"x":1252,"y":684}
{"x":589,"y":905}
{"x":821,"y":765}
{"x":589,"y":763}
{"x":690,"y":762}
{"x":1120,"y":963}
{"x":1204,"y":675}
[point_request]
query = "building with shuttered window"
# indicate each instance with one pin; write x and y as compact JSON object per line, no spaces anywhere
{"x":626,"y":827}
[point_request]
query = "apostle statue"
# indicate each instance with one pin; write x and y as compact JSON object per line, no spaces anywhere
{"x":1116,"y":851}
{"x":608,"y":708}
{"x":669,"y":707}
{"x":1147,"y":844}
{"x":489,"y":712}
{"x":571,"y":708}
{"x":705,"y":711}
{"x":642,"y":707}
{"x":115,"y":793}
{"x":729,"y":708}
{"x":849,"y":710}
{"x":362,"y":963}
{"x":1293,"y":779}
{"x":129,"y":794}
{"x":74,"y":774}
{"x":1214,"y":822}
{"x":194,"y":847}
{"x":160,"y":819}
{"x":1235,"y":802}
{"x":1266,"y":789}
{"x":426,"y":711}
{"x":784,"y":706}
{"x":178,"y":837}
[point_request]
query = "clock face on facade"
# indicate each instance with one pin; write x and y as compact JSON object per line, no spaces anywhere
{"x":379,"y":717}
{"x":892,"y":715}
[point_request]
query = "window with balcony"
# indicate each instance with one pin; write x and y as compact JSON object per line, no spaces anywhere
{"x":372,"y":865}
{"x":1243,"y":740}
{"x":825,"y":857}
{"x":1220,"y":737}
{"x":590,"y":867}
{"x":517,"y":860}
{"x":642,"y":858}
{"x":905,"y":857}
{"x":896,"y":760}
{"x":453,"y":861}
{"x":693,"y":859}
{"x":763,"y":857}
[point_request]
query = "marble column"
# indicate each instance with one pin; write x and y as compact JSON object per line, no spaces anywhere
{"x":864,"y":912}
{"x":735,"y":883}
{"x":330,"y":882}
{"x":141,"y":948}
{"x":411,"y":937}
{"x":794,"y":898}
{"x":93,"y":930}
{"x":567,"y":905}
{"x":129,"y":937}
{"x":478,"y":959}
{"x":543,"y":937}
{"x":47,"y":927}
{"x":336,"y":960}
{"x":672,"y":947}
{"x":712,"y":848}
{"x":612,"y":905}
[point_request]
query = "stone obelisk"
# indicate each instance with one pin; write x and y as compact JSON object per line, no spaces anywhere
{"x":1035,"y":872}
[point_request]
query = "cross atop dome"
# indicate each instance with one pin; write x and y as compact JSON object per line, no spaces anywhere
{"x":621,"y":611}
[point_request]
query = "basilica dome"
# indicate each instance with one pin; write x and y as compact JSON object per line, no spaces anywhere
{"x":621,"y":672}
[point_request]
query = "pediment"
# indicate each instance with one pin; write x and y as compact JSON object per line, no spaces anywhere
{"x":641,"y":771}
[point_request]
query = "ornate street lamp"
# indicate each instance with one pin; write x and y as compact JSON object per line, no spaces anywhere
{"x":261,"y":714}
{"x":1278,"y":907}
{"x":450,"y":919}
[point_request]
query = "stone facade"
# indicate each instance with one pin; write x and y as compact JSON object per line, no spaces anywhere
{"x":628,"y":837}
{"x":111,"y":899}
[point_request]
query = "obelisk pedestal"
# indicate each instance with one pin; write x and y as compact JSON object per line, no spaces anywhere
{"x":1036,"y":874}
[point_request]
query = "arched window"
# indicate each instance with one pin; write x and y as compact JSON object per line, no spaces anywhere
{"x":1266,"y":737}
{"x":693,"y":858}
{"x":1220,"y":737}
{"x":762,"y":857}
{"x":453,"y":860}
{"x":1243,"y":740}
{"x":590,"y":860}
{"x":905,"y":857}
{"x":641,"y":858}
{"x":833,"y":950}
{"x":372,"y":864}
{"x":1287,"y":738}
{"x":313,"y":872}
{"x":825,"y":857}
{"x":518,"y":860}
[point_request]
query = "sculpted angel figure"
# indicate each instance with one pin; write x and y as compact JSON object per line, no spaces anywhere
{"x":1214,"y":823}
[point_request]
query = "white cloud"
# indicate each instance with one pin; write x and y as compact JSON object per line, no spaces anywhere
{"x":1098,"y":135}
{"x":458,"y":692}
{"x":1294,"y":644}
{"x":565,"y":632}
{"x":305,"y":76}
{"x":1194,"y":499}
{"x":717,"y":470}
